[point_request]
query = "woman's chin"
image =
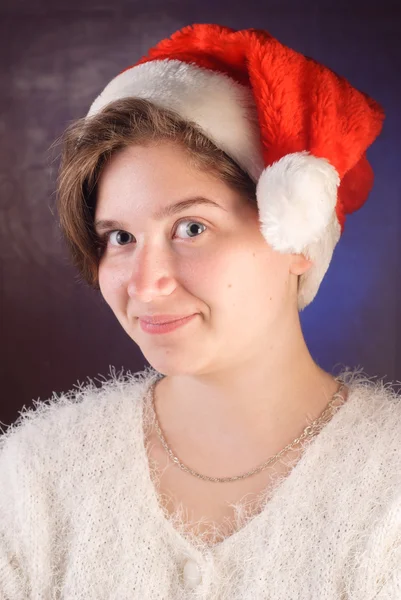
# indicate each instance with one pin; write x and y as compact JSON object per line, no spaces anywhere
{"x":172,"y":363}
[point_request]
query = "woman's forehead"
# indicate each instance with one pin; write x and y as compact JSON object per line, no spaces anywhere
{"x":153,"y":182}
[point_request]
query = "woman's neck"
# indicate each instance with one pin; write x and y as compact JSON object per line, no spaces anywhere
{"x":259,"y":409}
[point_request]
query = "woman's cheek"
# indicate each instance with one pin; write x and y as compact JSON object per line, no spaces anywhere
{"x":112,"y":279}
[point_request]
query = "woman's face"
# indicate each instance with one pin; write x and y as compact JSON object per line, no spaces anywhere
{"x":208,"y":259}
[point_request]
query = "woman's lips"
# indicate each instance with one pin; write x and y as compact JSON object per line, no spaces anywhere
{"x":164,"y":327}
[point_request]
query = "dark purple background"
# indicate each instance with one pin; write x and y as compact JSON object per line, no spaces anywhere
{"x":55,"y":58}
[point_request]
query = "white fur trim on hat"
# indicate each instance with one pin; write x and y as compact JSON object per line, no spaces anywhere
{"x":224,"y":109}
{"x":320,"y":253}
{"x":296,"y":197}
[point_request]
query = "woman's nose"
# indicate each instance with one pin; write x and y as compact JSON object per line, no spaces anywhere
{"x":151,"y":273}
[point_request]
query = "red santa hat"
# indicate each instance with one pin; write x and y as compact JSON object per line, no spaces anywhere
{"x":297,"y":128}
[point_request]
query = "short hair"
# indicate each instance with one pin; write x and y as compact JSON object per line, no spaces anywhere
{"x":88,"y":144}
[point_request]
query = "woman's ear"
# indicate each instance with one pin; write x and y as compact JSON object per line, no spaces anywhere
{"x":300,"y":264}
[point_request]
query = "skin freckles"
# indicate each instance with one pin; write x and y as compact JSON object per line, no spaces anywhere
{"x":206,"y":273}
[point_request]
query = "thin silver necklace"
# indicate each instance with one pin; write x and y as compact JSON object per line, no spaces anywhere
{"x":309,"y":431}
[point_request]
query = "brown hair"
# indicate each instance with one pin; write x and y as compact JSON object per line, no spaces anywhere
{"x":88,"y":144}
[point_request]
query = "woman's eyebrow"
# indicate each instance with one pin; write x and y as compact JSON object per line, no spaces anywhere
{"x":173,"y":209}
{"x":163,"y":213}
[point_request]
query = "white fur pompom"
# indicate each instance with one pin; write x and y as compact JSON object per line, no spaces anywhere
{"x":296,"y":198}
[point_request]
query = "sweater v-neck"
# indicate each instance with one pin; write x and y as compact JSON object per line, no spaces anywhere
{"x":194,"y":545}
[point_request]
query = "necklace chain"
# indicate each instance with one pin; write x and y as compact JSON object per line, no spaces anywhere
{"x":309,"y":431}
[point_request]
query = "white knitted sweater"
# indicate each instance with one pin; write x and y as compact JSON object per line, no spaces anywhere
{"x":80,"y":517}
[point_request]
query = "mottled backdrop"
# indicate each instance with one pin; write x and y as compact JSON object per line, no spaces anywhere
{"x":55,"y":58}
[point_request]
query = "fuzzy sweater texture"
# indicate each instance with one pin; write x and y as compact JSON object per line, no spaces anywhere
{"x":80,"y":517}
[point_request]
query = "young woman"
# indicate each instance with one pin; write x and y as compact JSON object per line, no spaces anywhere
{"x":203,"y":195}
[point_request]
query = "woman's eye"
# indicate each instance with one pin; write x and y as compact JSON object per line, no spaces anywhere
{"x":119,"y":237}
{"x":192,"y":229}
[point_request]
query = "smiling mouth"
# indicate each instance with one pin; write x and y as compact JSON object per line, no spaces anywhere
{"x":163,"y":319}
{"x":165,"y":327}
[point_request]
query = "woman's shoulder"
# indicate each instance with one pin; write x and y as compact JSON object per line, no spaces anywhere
{"x":373,"y":415}
{"x":374,"y":393}
{"x":60,"y":449}
{"x":86,"y":407}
